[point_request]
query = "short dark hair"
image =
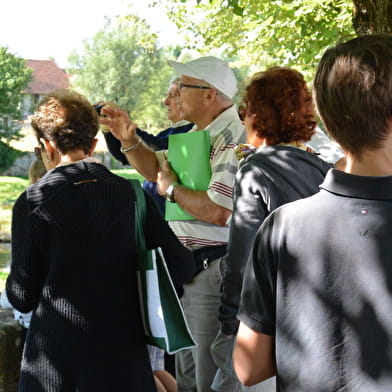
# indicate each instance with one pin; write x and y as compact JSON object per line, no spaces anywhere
{"x":353,"y":91}
{"x":282,"y":104}
{"x":68,"y":119}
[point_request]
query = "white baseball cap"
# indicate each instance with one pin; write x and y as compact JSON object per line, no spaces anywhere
{"x":214,"y":71}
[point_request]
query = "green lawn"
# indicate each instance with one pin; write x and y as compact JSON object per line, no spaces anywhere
{"x":3,"y":278}
{"x":128,"y":174}
{"x":10,"y":189}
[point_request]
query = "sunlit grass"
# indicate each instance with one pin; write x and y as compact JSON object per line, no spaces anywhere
{"x":10,"y":189}
{"x":128,"y":174}
{"x":3,"y":278}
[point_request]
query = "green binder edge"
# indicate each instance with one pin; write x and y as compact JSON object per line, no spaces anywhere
{"x":189,"y":157}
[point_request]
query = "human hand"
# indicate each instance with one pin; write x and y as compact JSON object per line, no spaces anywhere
{"x":166,"y":176}
{"x":119,"y":123}
{"x":98,"y":108}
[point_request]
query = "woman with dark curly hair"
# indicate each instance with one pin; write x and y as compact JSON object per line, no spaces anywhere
{"x":278,"y":108}
{"x":278,"y":115}
{"x":74,"y":262}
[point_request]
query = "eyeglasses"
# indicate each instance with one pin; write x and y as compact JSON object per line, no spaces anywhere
{"x":38,"y":153}
{"x":181,"y":85}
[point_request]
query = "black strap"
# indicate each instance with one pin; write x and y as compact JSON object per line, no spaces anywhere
{"x":204,"y":256}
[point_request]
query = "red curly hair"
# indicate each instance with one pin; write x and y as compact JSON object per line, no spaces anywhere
{"x":282,"y":106}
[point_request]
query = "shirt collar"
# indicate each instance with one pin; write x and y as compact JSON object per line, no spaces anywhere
{"x":180,"y":123}
{"x":222,"y":121}
{"x":362,"y":187}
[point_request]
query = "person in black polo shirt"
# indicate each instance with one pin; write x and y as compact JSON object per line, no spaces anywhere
{"x":281,"y":169}
{"x":317,"y":294}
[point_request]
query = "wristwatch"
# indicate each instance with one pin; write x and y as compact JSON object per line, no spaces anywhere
{"x":169,"y":194}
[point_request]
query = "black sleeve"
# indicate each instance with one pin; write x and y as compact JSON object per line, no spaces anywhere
{"x":258,"y":298}
{"x":114,"y":146}
{"x":179,"y":259}
{"x":28,"y":270}
{"x":157,"y":142}
{"x":248,"y":214}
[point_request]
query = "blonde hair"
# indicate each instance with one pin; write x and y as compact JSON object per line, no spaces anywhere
{"x":36,"y":171}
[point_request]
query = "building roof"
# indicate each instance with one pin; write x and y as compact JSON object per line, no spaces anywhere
{"x":47,"y":77}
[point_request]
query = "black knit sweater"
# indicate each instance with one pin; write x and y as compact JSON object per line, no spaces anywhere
{"x":74,"y":263}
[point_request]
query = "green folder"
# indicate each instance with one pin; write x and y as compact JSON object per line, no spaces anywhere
{"x":189,"y":157}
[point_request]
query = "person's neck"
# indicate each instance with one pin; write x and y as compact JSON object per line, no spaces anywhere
{"x":255,"y":140}
{"x":174,"y":122}
{"x":371,"y":162}
{"x":73,"y":156}
{"x":209,"y":117}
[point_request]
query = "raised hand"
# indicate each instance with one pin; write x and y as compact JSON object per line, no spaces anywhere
{"x":119,"y":123}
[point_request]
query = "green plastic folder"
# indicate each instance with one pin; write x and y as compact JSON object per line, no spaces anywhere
{"x":189,"y":157}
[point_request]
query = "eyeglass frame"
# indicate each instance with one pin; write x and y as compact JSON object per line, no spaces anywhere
{"x":181,"y":85}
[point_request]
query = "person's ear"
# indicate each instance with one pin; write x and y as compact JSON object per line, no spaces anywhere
{"x":210,"y":94}
{"x":92,"y":148}
{"x":50,"y":148}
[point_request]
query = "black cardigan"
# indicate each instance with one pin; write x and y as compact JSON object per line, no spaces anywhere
{"x":74,"y":264}
{"x":266,"y":179}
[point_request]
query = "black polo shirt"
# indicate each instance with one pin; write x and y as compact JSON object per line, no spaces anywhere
{"x":320,"y":280}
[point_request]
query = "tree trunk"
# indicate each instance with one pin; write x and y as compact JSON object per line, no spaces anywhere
{"x":372,"y":16}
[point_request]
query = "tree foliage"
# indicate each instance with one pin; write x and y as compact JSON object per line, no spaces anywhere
{"x":264,"y":32}
{"x":123,"y":64}
{"x":15,"y":77}
{"x":8,"y":155}
{"x":369,"y":16}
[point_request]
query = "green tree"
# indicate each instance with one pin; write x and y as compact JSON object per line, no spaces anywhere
{"x":264,"y":32}
{"x":284,"y":32}
{"x":122,"y":63}
{"x":15,"y":77}
{"x":372,"y":16}
{"x":369,"y":16}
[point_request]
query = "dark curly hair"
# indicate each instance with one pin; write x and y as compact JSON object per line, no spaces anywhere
{"x":282,"y":106}
{"x":68,"y":119}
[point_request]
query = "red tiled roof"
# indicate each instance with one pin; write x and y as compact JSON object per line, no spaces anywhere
{"x":47,"y":77}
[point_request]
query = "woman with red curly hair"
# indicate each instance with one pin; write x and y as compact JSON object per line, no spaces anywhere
{"x":278,"y":115}
{"x":278,"y":108}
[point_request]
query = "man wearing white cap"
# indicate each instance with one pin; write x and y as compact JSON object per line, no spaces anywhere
{"x":207,"y":87}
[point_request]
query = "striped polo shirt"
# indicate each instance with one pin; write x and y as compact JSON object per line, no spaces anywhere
{"x":226,"y":131}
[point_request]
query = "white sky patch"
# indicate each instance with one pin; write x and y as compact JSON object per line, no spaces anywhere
{"x":41,"y":29}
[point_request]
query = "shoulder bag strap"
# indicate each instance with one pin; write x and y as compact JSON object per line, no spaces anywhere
{"x":140,"y":215}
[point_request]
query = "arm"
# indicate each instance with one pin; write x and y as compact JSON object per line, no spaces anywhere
{"x":157,"y":142}
{"x":199,"y":205}
{"x":195,"y":203}
{"x":214,"y":205}
{"x":141,"y":158}
{"x":28,"y":271}
{"x":114,"y":146}
{"x":160,"y":141}
{"x":253,"y":356}
{"x":249,"y":212}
